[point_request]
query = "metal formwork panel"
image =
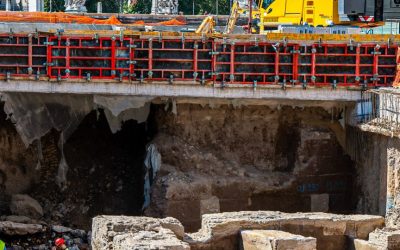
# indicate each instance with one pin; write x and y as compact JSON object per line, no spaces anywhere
{"x":172,"y":60}
{"x":344,"y":65}
{"x":198,"y":61}
{"x":22,"y":55}
{"x":245,"y":63}
{"x":306,"y":65}
{"x":89,"y":58}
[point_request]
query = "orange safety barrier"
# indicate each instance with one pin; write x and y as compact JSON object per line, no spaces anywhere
{"x":61,"y":17}
{"x":55,"y":17}
{"x":172,"y":22}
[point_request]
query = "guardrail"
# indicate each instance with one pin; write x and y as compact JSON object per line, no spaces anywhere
{"x":379,"y":110}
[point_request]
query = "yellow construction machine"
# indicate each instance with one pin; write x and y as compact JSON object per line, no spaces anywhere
{"x":270,"y":15}
{"x":315,"y":13}
{"x":207,"y":26}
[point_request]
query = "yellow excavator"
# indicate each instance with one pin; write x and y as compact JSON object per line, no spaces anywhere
{"x":269,"y":15}
{"x":207,"y":26}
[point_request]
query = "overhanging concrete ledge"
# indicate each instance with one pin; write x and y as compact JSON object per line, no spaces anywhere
{"x":178,"y":90}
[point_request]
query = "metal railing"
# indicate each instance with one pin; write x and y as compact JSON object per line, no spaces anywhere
{"x":380,"y":109}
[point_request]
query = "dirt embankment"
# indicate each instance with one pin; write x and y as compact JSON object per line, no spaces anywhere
{"x":249,"y":158}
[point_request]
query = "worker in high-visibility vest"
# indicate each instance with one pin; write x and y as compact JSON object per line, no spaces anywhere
{"x":2,"y":245}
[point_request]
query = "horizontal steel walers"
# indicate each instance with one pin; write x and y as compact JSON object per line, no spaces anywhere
{"x":198,"y":60}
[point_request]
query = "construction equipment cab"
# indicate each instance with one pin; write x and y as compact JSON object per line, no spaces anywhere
{"x":315,"y":13}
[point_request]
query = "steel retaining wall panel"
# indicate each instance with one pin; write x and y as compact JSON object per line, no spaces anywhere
{"x":22,"y":55}
{"x":198,"y":61}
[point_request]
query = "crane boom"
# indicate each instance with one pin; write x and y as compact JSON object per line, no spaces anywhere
{"x":230,"y":26}
{"x":207,"y":26}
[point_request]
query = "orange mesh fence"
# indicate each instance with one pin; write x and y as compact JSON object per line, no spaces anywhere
{"x":56,"y":17}
{"x":172,"y":22}
{"x":61,"y":17}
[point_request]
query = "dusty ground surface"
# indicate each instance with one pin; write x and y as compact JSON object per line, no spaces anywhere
{"x":249,"y":158}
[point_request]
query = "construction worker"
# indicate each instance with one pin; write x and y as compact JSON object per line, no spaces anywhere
{"x":2,"y":245}
{"x":60,"y":244}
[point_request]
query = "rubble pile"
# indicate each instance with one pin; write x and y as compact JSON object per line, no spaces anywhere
{"x":25,"y":229}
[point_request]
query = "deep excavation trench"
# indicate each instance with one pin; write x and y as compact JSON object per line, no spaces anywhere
{"x":214,"y":159}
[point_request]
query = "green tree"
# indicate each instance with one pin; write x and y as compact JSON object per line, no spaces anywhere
{"x":56,"y":5}
{"x":109,"y":6}
{"x":144,"y":6}
{"x":141,"y":7}
{"x":202,"y":6}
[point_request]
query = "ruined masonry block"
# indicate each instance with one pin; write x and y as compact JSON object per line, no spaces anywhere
{"x":163,"y":239}
{"x":365,"y":245}
{"x":123,"y":233}
{"x":386,"y":238}
{"x":330,"y":230}
{"x":380,"y":239}
{"x":276,"y":240}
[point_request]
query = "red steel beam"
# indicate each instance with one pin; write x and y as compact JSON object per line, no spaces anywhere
{"x":184,"y":59}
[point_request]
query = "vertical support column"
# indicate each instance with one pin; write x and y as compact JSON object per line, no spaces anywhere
{"x":376,"y":53}
{"x":30,"y":55}
{"x":214,"y":62}
{"x":113,"y":57}
{"x":195,"y":62}
{"x":131,"y":59}
{"x":150,"y":72}
{"x":232,"y":63}
{"x":313,"y":64}
{"x":49,"y":56}
{"x":295,"y":69}
{"x":67,"y":57}
{"x":277,"y":64}
{"x":358,"y":60}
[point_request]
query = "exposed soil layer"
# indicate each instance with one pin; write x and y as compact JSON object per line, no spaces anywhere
{"x":249,"y":158}
{"x":214,"y":159}
{"x":105,"y":171}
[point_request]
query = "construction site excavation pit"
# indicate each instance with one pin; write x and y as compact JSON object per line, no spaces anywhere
{"x":90,"y":155}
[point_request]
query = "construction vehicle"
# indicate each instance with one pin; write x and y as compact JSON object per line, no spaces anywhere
{"x":241,"y":8}
{"x":207,"y":26}
{"x":271,"y":15}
